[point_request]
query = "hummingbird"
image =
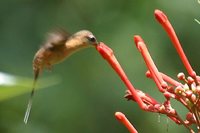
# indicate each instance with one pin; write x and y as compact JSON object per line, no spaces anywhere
{"x":58,"y":46}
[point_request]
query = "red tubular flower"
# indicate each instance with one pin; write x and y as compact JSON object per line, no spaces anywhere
{"x":150,"y":64}
{"x":163,"y":20}
{"x":122,"y":118}
{"x":109,"y":56}
{"x":188,"y":94}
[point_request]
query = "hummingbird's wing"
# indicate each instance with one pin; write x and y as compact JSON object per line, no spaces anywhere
{"x":56,"y":39}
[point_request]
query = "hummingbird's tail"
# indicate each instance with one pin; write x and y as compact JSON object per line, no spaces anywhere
{"x":28,"y":109}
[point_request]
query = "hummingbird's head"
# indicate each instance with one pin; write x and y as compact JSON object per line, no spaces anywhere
{"x":86,"y":37}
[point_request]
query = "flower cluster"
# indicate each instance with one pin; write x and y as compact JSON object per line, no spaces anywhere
{"x":186,"y":91}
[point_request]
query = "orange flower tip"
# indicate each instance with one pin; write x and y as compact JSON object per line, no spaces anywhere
{"x":139,"y":42}
{"x":167,"y":95}
{"x":190,"y":117}
{"x":100,"y":46}
{"x":193,"y":98}
{"x":120,"y":116}
{"x":181,"y":76}
{"x":160,"y":16}
{"x":104,"y":50}
{"x":164,"y":84}
{"x":138,"y":39}
{"x":188,"y":93}
{"x":148,"y":74}
{"x":190,"y":80}
{"x":178,"y":90}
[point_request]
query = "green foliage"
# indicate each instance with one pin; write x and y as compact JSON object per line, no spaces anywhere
{"x":12,"y":86}
{"x":197,"y":21}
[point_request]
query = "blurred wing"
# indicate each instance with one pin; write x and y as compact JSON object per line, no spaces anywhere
{"x":56,"y":39}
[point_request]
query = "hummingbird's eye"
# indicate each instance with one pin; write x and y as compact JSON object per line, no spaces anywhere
{"x":91,"y":38}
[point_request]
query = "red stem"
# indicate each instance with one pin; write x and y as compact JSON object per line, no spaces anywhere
{"x":170,"y":80}
{"x":166,"y":78}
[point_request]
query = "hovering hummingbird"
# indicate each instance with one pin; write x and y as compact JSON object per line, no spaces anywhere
{"x":58,"y":46}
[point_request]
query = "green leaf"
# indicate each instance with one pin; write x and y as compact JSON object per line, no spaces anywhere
{"x":197,"y":21}
{"x":11,"y":86}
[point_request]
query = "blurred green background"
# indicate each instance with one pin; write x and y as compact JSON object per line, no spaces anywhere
{"x":84,"y":92}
